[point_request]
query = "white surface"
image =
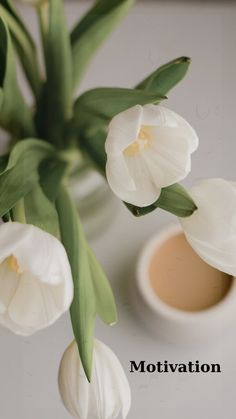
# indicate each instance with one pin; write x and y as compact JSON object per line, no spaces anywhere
{"x":152,"y":34}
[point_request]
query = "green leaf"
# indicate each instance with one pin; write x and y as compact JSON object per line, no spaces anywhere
{"x":52,"y":172}
{"x":15,"y":115}
{"x":20,"y":172}
{"x":3,"y":162}
{"x":92,"y":143}
{"x":92,"y":30}
{"x":55,"y":107}
{"x":39,"y":204}
{"x":1,"y":97}
{"x":83,"y":308}
{"x":105,"y":302}
{"x":106,"y":102}
{"x":166,"y":77}
{"x":41,"y":212}
{"x":173,"y":199}
{"x":24,"y":44}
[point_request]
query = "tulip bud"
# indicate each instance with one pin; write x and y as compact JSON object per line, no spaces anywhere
{"x":148,"y":148}
{"x":108,"y":393}
{"x":211,"y":229}
{"x":36,"y":284}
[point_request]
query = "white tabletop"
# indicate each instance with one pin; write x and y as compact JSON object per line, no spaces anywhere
{"x":153,"y":33}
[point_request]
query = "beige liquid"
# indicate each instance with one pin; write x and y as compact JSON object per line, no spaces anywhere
{"x":183,"y":280}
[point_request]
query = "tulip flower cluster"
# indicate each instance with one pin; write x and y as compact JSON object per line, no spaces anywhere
{"x":142,"y":148}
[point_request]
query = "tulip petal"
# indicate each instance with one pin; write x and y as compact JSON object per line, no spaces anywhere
{"x":106,"y":403}
{"x":73,"y":384}
{"x":168,"y":158}
{"x":42,"y":289}
{"x":118,"y":174}
{"x":211,"y":229}
{"x":211,"y":220}
{"x":41,"y":309}
{"x":24,"y":311}
{"x":221,"y":255}
{"x":8,"y":286}
{"x":161,"y":116}
{"x":12,"y":236}
{"x":146,"y":192}
{"x":123,"y":130}
{"x":120,"y":379}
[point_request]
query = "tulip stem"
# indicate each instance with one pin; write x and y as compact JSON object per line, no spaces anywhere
{"x":42,"y":11}
{"x":18,"y":212}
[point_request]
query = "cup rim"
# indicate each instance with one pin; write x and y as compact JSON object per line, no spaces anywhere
{"x":160,"y":307}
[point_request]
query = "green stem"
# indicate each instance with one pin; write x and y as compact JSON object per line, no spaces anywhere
{"x":18,"y":212}
{"x":42,"y":12}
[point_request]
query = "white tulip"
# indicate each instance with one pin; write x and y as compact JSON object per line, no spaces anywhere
{"x":148,"y":147}
{"x":107,"y":395}
{"x":211,"y":229}
{"x":35,"y":278}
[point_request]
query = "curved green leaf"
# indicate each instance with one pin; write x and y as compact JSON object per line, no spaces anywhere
{"x":41,"y":212}
{"x":106,"y":102}
{"x":174,"y":199}
{"x":19,"y":174}
{"x":92,"y":142}
{"x":83,"y":308}
{"x":92,"y":30}
{"x":166,"y":76}
{"x":105,"y":302}
{"x":52,"y":172}
{"x":24,"y":44}
{"x":15,"y":116}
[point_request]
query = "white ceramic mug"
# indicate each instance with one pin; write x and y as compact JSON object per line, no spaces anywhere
{"x":168,"y":321}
